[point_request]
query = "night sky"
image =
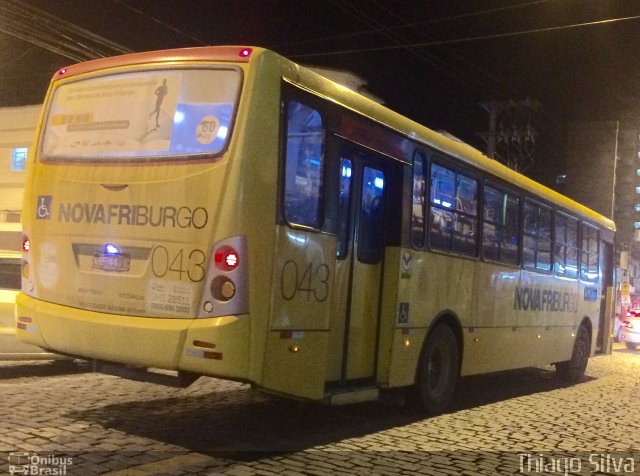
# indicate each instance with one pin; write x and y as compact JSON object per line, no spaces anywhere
{"x":431,"y":60}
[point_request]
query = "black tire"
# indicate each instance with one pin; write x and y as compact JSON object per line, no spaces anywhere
{"x":572,"y":371}
{"x":630,"y":345}
{"x":438,"y":370}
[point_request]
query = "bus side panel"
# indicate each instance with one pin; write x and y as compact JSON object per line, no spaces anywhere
{"x":494,"y":309}
{"x":589,"y":296}
{"x":296,"y":349}
{"x":528,"y":320}
{"x":547,"y":309}
{"x":489,"y":344}
{"x":432,"y":285}
{"x":294,"y":363}
{"x":441,"y":283}
{"x":400,"y":342}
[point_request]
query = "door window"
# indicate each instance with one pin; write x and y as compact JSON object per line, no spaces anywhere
{"x":370,"y":224}
{"x":344,"y":205}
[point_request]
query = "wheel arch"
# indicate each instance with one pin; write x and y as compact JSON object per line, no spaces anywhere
{"x":587,"y":322}
{"x":449,"y":318}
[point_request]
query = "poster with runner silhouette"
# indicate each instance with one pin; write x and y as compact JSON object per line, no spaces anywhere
{"x":125,"y":113}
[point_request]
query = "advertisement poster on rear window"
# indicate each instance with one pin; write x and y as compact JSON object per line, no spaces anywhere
{"x":121,"y":113}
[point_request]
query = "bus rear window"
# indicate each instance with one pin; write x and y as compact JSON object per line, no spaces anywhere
{"x":144,"y":115}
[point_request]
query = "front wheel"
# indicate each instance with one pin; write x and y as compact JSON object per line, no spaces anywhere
{"x":438,"y":369}
{"x":573,"y":370}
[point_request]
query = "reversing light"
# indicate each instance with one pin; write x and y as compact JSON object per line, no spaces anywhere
{"x":26,"y":244}
{"x":245,"y":52}
{"x":222,"y":288}
{"x":226,"y":258}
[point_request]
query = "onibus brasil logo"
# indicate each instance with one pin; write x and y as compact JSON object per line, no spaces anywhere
{"x":32,"y":463}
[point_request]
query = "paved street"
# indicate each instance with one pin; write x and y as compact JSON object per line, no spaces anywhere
{"x":63,"y":419}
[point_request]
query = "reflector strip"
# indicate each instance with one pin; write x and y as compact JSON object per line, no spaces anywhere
{"x":208,"y":345}
{"x":204,"y":354}
{"x":26,"y":327}
{"x":291,"y":334}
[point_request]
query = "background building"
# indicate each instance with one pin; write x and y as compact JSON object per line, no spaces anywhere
{"x":601,"y":169}
{"x":17,"y":127}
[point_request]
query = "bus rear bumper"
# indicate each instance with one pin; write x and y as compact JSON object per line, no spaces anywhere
{"x":191,"y":345}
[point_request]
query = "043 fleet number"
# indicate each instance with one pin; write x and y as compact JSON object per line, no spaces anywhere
{"x":311,"y":281}
{"x":184,"y":264}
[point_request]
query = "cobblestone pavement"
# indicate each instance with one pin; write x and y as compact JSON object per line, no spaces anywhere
{"x":63,"y":419}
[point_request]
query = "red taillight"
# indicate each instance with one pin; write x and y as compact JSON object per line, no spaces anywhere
{"x":226,"y":279}
{"x":26,"y":244}
{"x":245,"y":52}
{"x":226,"y":258}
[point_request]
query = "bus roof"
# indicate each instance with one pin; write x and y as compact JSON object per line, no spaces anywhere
{"x":318,"y":84}
{"x":422,"y":134}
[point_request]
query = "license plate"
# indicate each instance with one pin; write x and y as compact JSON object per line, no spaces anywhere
{"x":118,"y":263}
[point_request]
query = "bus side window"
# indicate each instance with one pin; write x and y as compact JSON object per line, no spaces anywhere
{"x":492,"y":230}
{"x":442,"y":202}
{"x":566,"y":246}
{"x":465,"y":236}
{"x":418,"y":203}
{"x":537,"y":237}
{"x":543,"y":258}
{"x":500,"y":232}
{"x":560,"y":245}
{"x":571,"y":264}
{"x":530,"y":228}
{"x":589,"y":255}
{"x":304,"y":165}
{"x":510,"y":237}
{"x":453,"y":218}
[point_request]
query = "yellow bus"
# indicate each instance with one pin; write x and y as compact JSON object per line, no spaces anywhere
{"x":223,"y":211}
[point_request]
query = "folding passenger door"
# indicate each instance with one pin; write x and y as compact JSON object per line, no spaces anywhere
{"x":363,"y":211}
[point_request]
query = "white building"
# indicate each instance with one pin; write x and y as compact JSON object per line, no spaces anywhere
{"x":17,"y":128}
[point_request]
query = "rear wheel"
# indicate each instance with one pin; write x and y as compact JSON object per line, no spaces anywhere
{"x":438,"y":368}
{"x":573,"y":370}
{"x":630,"y":345}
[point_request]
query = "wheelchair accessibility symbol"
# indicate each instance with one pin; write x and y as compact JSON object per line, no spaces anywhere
{"x":43,"y":210}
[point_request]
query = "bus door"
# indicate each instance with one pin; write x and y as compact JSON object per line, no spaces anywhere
{"x":358,"y":272}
